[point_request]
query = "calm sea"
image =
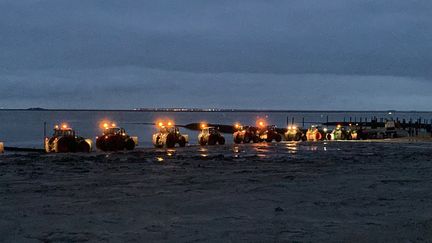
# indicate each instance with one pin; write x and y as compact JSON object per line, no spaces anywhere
{"x":24,"y":128}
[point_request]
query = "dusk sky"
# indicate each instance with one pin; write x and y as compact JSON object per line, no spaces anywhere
{"x":338,"y":54}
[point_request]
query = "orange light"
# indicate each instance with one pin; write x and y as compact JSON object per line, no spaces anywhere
{"x":160,"y":124}
{"x":113,"y":125}
{"x":170,"y":124}
{"x":64,"y":126}
{"x":203,"y":125}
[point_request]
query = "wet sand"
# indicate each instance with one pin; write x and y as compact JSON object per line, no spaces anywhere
{"x":333,"y":191}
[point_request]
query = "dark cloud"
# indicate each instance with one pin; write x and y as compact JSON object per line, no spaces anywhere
{"x":50,"y":44}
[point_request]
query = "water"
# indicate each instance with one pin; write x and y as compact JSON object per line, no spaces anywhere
{"x":25,"y":128}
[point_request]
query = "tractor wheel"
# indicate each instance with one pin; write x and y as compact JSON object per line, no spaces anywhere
{"x":221,"y":140}
{"x":297,"y":137}
{"x":158,"y":143}
{"x":304,"y":138}
{"x":84,"y":147}
{"x":269,"y":139}
{"x":66,"y":145}
{"x":100,"y":144}
{"x":237,"y":139}
{"x":202,"y":142}
{"x":256,"y":139}
{"x":212,"y":140}
{"x":129,"y":144}
{"x":170,"y":141}
{"x":278,"y":138}
{"x":246,"y":139}
{"x":182,"y":141}
{"x":115,"y":143}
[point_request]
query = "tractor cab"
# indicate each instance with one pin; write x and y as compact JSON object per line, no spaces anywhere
{"x":63,"y":131}
{"x":114,"y":131}
{"x":210,"y":130}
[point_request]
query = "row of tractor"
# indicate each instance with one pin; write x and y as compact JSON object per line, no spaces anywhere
{"x":65,"y":140}
{"x":168,"y":135}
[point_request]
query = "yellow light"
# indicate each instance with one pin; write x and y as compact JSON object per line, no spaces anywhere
{"x":289,"y":128}
{"x":203,"y":125}
{"x":169,"y":124}
{"x":294,"y":127}
{"x":237,"y":125}
{"x":64,"y":126}
{"x":105,"y":125}
{"x":56,"y":127}
{"x":113,"y":125}
{"x":160,"y":124}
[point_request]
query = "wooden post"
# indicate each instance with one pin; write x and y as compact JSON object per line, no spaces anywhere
{"x":45,"y":133}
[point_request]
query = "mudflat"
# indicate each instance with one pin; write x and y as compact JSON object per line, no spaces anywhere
{"x":326,"y":191}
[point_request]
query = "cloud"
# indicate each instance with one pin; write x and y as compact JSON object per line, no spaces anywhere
{"x":134,"y":87}
{"x":94,"y":53}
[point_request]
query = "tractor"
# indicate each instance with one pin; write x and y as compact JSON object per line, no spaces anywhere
{"x":210,"y":136}
{"x":294,"y":133}
{"x":339,"y":133}
{"x":65,"y":140}
{"x":268,"y":133}
{"x":316,"y":133}
{"x":115,"y":138}
{"x":245,"y":134}
{"x":168,"y":136}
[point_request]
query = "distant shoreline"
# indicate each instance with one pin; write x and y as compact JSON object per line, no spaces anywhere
{"x":210,"y":110}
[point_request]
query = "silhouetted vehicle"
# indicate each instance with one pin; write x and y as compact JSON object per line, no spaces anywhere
{"x":316,"y":133}
{"x":210,"y":136}
{"x":64,"y":140}
{"x":269,"y":133}
{"x":246,"y":134}
{"x":356,"y":132}
{"x":115,"y":138}
{"x":168,"y":136}
{"x":294,"y":133}
{"x":390,"y":130}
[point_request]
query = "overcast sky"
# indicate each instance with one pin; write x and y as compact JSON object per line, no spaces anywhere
{"x":302,"y":54}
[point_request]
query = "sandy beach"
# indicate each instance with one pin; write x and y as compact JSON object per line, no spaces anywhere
{"x":301,"y":192}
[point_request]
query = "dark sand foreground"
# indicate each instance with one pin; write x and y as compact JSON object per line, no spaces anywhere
{"x":337,"y":191}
